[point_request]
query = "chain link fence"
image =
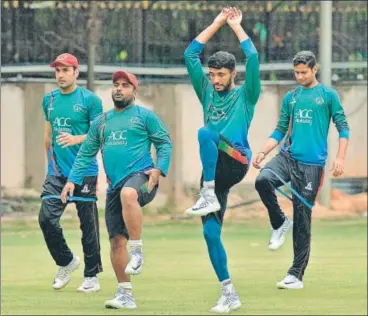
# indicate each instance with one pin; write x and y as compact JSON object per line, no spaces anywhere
{"x":156,"y":33}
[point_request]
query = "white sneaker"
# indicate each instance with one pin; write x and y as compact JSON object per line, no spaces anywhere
{"x":227,"y":302}
{"x":278,"y":235}
{"x":290,"y":282}
{"x":207,"y":203}
{"x":62,"y":277}
{"x":134,"y":267}
{"x":121,"y":299}
{"x":90,"y":284}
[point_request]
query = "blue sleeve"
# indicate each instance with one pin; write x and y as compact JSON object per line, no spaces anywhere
{"x":160,"y":138}
{"x":86,"y":153}
{"x":198,"y":78}
{"x":338,"y":116}
{"x":45,"y":105}
{"x":95,"y":107}
{"x":284,"y":120}
{"x":252,"y":84}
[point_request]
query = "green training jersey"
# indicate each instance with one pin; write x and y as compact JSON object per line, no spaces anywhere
{"x":229,"y":113}
{"x":125,"y":139}
{"x":305,"y":119}
{"x":70,"y":113}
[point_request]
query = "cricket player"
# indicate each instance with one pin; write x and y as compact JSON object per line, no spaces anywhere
{"x":68,"y":112}
{"x":125,"y":135}
{"x":305,"y":117}
{"x":223,"y":141}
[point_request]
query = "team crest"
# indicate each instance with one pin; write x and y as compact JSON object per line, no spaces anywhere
{"x":320,"y":100}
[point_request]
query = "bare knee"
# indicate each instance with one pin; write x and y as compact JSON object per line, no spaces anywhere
{"x":118,"y":242}
{"x":129,"y":196}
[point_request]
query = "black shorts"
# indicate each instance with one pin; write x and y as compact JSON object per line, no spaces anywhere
{"x":54,"y":185}
{"x":114,"y":211}
{"x":229,"y":172}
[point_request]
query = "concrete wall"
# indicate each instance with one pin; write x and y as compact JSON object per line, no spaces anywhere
{"x":23,"y":162}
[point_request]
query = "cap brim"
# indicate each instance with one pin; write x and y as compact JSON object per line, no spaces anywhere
{"x":57,"y":63}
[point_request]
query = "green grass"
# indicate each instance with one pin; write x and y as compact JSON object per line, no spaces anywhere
{"x":178,"y":278}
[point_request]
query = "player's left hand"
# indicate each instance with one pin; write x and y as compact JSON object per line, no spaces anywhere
{"x":235,"y":16}
{"x":154,"y":177}
{"x":338,"y":167}
{"x":66,"y":139}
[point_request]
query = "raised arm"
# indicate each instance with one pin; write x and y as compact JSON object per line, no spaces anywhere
{"x":197,"y":76}
{"x":252,"y":84}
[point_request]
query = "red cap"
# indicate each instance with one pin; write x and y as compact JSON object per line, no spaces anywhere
{"x":65,"y":60}
{"x":127,"y":75}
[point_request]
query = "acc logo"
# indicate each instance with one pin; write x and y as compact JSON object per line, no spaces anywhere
{"x":135,"y":120}
{"x":78,"y":108}
{"x":62,"y":121}
{"x":304,"y":114}
{"x":319,"y":100}
{"x":117,"y":136}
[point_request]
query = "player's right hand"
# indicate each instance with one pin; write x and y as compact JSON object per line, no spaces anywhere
{"x":222,"y":17}
{"x":259,"y":158}
{"x":68,"y":189}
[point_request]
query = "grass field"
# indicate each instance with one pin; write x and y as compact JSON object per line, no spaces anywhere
{"x":178,"y":279}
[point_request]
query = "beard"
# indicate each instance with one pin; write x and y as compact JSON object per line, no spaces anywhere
{"x":226,"y":87}
{"x":123,"y":102}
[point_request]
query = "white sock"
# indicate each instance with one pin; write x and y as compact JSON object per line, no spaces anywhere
{"x":126,"y":286}
{"x":209,"y":184}
{"x":136,"y":244}
{"x":209,"y":187}
{"x":227,"y":285}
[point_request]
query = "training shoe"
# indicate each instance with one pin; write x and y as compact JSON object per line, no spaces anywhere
{"x":229,"y":301}
{"x":62,"y":277}
{"x":134,"y":267}
{"x":207,"y":203}
{"x":90,"y":284}
{"x":122,"y":299}
{"x":290,"y":282}
{"x":278,"y":235}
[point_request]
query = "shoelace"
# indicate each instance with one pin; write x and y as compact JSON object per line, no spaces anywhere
{"x":136,"y":257}
{"x":88,"y":282}
{"x":225,"y":296}
{"x":124,"y":297}
{"x":284,"y":228}
{"x":279,"y":232}
{"x":62,"y":273}
{"x":202,"y":199}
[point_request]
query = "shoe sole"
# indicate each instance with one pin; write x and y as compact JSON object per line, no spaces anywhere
{"x":189,"y":211}
{"x":75,"y":268}
{"x":282,"y":286}
{"x":132,"y":271}
{"x":92,"y":290}
{"x":231,"y":308}
{"x":271,"y":248}
{"x":112,"y":306}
